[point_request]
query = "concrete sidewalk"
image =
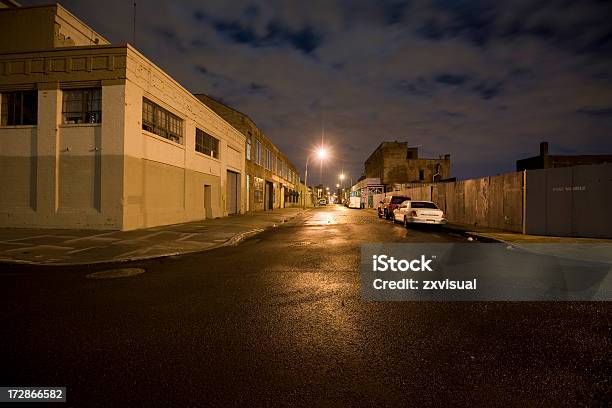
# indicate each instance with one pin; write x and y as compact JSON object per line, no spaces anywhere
{"x":585,"y":249}
{"x":75,"y":247}
{"x":488,"y":234}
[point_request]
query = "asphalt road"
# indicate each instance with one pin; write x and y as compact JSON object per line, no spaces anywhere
{"x":278,"y":320}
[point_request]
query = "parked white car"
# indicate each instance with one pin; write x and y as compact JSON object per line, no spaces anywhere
{"x":419,"y":212}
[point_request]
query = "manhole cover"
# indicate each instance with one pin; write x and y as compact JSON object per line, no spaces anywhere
{"x":116,"y":273}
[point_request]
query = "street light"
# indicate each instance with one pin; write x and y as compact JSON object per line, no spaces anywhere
{"x":321,"y":154}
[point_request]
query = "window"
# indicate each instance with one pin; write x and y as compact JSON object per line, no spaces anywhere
{"x":248,"y":147}
{"x":258,"y":189}
{"x":156,"y":119}
{"x":82,"y":105}
{"x":205,"y":143}
{"x":258,"y":156}
{"x":268,"y":162}
{"x":19,"y":108}
{"x":423,"y":204}
{"x":421,"y":174}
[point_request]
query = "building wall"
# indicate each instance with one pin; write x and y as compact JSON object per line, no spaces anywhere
{"x":111,"y":175}
{"x":52,"y":173}
{"x":286,"y":190}
{"x":395,"y":162}
{"x":43,"y":27}
{"x":547,"y":161}
{"x":152,"y":161}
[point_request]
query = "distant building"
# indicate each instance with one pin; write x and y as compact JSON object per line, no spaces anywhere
{"x":272,"y":181}
{"x":397,"y":163}
{"x":548,"y":161}
{"x":366,"y":189}
{"x":96,"y":136}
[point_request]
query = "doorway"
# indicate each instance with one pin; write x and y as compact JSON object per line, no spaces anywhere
{"x":269,"y":195}
{"x":232,"y":192}
{"x":207,"y":201}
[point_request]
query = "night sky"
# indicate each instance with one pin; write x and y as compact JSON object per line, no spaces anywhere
{"x":483,"y":81}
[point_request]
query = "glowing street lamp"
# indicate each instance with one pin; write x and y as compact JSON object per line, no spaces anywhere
{"x":321,"y":153}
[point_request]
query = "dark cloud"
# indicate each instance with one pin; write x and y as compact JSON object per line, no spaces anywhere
{"x":451,"y":79}
{"x":483,"y":81}
{"x":599,"y":113}
{"x":277,"y":33}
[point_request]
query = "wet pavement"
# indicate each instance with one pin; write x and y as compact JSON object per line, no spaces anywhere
{"x":279,"y":320}
{"x":74,"y":247}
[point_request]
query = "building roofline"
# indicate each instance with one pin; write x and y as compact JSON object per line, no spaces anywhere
{"x":226,"y":105}
{"x":254,"y":124}
{"x":57,"y":6}
{"x":128,"y":48}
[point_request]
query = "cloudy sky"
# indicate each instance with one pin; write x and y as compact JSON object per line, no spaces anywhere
{"x":483,"y":81}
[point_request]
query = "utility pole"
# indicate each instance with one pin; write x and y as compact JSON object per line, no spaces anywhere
{"x":134,"y":27}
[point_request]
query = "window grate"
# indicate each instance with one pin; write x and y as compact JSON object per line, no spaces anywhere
{"x":82,"y":106}
{"x":156,"y":119}
{"x":206,"y":144}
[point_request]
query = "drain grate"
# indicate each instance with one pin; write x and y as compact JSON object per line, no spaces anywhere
{"x":116,"y":273}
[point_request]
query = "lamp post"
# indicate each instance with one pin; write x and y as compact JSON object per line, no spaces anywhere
{"x":342,"y":177}
{"x":321,"y":154}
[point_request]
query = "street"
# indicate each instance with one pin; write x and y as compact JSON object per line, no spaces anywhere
{"x":279,"y":320}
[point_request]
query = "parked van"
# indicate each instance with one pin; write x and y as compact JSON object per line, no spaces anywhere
{"x":354,"y":202}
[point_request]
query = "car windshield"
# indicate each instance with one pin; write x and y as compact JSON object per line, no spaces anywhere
{"x":423,"y":204}
{"x":398,"y":200}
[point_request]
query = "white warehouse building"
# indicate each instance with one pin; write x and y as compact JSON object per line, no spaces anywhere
{"x":95,"y":136}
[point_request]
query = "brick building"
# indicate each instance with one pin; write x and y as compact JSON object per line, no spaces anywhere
{"x":397,"y":163}
{"x":549,"y":161}
{"x":272,"y":181}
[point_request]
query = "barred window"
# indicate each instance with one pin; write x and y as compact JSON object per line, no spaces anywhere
{"x":82,"y":105}
{"x":156,"y":119}
{"x":19,"y":108}
{"x":207,"y":144}
{"x":258,"y":189}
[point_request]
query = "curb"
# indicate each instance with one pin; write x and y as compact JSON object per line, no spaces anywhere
{"x":475,"y":235}
{"x":233,"y":241}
